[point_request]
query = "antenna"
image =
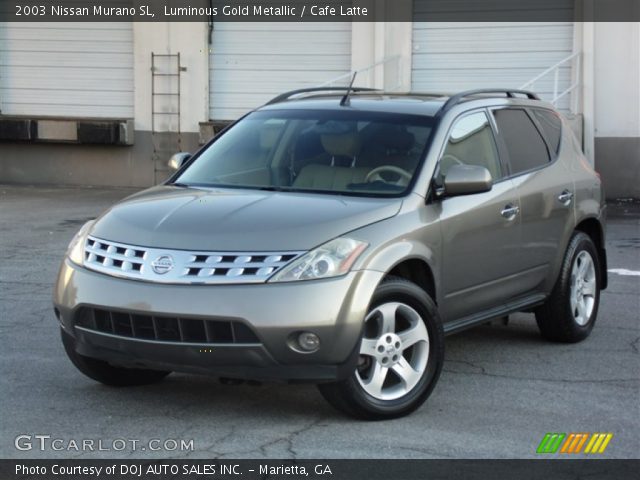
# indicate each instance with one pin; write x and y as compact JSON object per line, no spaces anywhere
{"x":345,"y":99}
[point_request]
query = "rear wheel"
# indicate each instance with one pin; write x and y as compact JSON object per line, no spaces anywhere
{"x":106,"y":373}
{"x":401,"y":355}
{"x":570,"y":312}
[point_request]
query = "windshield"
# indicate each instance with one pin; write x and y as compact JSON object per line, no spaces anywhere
{"x":345,"y":152}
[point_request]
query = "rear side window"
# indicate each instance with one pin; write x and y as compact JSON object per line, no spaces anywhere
{"x":551,"y":126}
{"x":525,"y":145}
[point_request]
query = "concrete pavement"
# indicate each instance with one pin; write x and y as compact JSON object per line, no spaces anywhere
{"x":501,"y":390}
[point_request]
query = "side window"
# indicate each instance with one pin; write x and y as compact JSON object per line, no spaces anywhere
{"x":471,"y":142}
{"x":551,"y":126}
{"x":524,"y":143}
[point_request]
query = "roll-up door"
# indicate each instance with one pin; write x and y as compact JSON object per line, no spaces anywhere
{"x":450,"y":57}
{"x":253,"y":62}
{"x":66,"y":69}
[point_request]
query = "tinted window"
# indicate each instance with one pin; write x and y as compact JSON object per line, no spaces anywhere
{"x":471,"y":142}
{"x":551,"y":126}
{"x":252,"y":151}
{"x":328,"y":151}
{"x":525,"y":146}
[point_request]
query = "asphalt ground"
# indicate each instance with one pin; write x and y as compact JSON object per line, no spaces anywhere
{"x":502,"y":388}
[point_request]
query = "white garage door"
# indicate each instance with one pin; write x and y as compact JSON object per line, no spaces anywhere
{"x":449,"y":57}
{"x":253,"y":62}
{"x":66,"y":69}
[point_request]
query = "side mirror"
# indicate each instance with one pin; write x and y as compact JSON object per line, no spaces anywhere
{"x":178,"y":160}
{"x":467,"y":179}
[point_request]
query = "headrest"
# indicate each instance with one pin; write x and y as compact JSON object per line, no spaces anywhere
{"x":269,"y":136}
{"x":339,"y":138}
{"x":342,"y":145}
{"x":389,"y":136}
{"x":400,"y":140}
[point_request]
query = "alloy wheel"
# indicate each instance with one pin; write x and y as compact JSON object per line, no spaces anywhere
{"x":583,"y":288}
{"x":394,"y":351}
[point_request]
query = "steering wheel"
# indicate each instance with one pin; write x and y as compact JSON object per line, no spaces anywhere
{"x":374,"y":175}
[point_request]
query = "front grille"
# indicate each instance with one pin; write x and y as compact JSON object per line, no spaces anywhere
{"x":110,"y":255}
{"x":165,"y":328}
{"x":182,"y":266}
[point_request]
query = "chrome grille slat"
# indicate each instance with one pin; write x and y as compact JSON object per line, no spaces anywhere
{"x":233,"y":265}
{"x":187,"y":267}
{"x":117,"y":256}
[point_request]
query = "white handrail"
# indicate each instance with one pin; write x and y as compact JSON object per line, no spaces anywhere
{"x":555,"y":69}
{"x":549,"y":70}
{"x":348,"y":76}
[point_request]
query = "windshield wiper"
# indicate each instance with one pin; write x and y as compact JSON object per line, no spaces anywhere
{"x":179,"y":185}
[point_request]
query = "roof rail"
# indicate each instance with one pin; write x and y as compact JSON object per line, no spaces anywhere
{"x":510,"y":93}
{"x":284,"y":96}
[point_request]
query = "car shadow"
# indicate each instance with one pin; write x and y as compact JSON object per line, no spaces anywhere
{"x":198,"y":396}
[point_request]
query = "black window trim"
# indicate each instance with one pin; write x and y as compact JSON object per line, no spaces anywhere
{"x":503,"y":165}
{"x":552,"y":158}
{"x":541,"y":129}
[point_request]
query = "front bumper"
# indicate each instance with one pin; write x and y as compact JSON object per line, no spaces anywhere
{"x":333,"y":309}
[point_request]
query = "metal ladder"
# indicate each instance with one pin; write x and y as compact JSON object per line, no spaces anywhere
{"x":165,"y":110}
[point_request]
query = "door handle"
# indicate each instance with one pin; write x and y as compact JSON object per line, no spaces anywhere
{"x":565,"y":197}
{"x":510,"y":211}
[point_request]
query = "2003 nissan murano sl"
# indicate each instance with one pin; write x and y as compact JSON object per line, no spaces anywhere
{"x":335,"y":238}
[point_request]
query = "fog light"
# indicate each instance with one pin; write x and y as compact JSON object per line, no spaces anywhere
{"x":308,"y":342}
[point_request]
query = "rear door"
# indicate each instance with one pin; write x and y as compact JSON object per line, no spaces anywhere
{"x":531,"y":139}
{"x":480,"y":232}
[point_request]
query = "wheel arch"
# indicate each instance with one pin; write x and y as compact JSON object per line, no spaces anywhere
{"x":418,"y":271}
{"x":592,"y":227}
{"x":412,"y":260}
{"x":409,"y":259}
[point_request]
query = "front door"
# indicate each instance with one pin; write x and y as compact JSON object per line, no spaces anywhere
{"x":480,"y":232}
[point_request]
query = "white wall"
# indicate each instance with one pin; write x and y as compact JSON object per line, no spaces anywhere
{"x":188,"y":38}
{"x":611,"y":103}
{"x":617,"y":79}
{"x":372,"y":43}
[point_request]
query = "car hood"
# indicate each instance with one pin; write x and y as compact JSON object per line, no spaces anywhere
{"x":237,"y":220}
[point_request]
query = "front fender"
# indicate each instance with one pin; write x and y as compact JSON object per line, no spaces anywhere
{"x":414,"y":235}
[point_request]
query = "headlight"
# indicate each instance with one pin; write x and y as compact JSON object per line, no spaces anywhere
{"x":332,"y":259}
{"x":75,"y":250}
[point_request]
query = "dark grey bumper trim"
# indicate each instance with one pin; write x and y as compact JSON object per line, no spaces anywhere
{"x":163,"y":342}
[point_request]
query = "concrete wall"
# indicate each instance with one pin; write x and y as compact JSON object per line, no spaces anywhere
{"x":144,"y":163}
{"x":616,"y":84}
{"x":618,"y":161}
{"x":374,"y":42}
{"x":60,"y":164}
{"x":191,"y":41}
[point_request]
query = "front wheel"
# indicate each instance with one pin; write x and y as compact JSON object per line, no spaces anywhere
{"x":401,"y":355}
{"x":570,"y":312}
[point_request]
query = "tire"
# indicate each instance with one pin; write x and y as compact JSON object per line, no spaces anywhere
{"x":570,"y":312}
{"x":106,"y":373}
{"x":415,"y":319}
